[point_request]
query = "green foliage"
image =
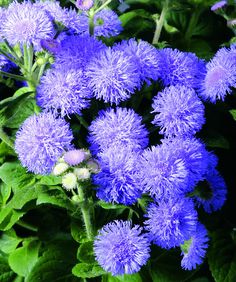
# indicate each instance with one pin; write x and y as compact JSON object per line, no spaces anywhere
{"x":6,"y":274}
{"x":87,"y":270}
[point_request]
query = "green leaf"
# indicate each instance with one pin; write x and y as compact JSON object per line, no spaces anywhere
{"x":222,"y":257}
{"x":125,"y":278}
{"x":218,"y":141}
{"x":55,"y":264}
{"x":49,"y":180}
{"x":77,"y":232}
{"x":5,"y":192}
{"x":22,"y":90}
{"x":9,"y":241}
{"x":55,"y":197}
{"x":21,"y":177}
{"x":87,"y":270}
{"x":6,"y":274}
{"x":85,"y":252}
{"x":23,"y":259}
{"x":233,"y":113}
{"x":127,"y":17}
{"x":9,"y":217}
{"x":108,"y":206}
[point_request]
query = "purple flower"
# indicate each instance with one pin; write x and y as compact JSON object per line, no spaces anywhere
{"x":144,"y":55}
{"x":218,"y":5}
{"x":120,"y":248}
{"x":25,"y":23}
{"x":117,"y":127}
{"x":220,"y":75}
{"x":171,"y":222}
{"x":180,"y":68}
{"x":178,"y":110}
{"x":41,"y":140}
{"x":113,"y":76}
{"x":194,"y":250}
{"x":77,"y":51}
{"x":211,"y":193}
{"x":117,"y":181}
{"x":84,"y":4}
{"x":162,"y":173}
{"x":5,"y":64}
{"x":75,"y":157}
{"x":51,"y":45}
{"x":63,"y":89}
{"x":107,"y":23}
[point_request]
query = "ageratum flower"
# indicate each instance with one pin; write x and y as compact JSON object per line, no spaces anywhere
{"x":171,"y":222}
{"x":120,"y":248}
{"x":180,"y":68}
{"x":220,"y":76}
{"x":178,"y":111}
{"x":211,"y":193}
{"x":144,"y":55}
{"x":113,"y":76}
{"x":84,"y":4}
{"x":193,"y":154}
{"x":162,"y":174}
{"x":74,"y":157}
{"x":5,"y":64}
{"x":107,"y":23}
{"x":194,"y":250}
{"x":218,"y":5}
{"x":77,"y":51}
{"x":41,"y":140}
{"x":63,"y":89}
{"x":117,"y":181}
{"x":117,"y":127}
{"x":25,"y":23}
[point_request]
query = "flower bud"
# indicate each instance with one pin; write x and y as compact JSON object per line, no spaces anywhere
{"x":93,"y":166}
{"x":60,"y":168}
{"x":69,"y":181}
{"x":84,"y":4}
{"x":82,"y":173}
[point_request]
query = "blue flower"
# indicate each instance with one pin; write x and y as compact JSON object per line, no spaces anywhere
{"x":178,"y":110}
{"x":162,"y":173}
{"x":194,"y":250}
{"x":180,"y":68}
{"x":193,"y":154}
{"x":218,"y":5}
{"x":144,"y":55}
{"x":113,"y":76}
{"x":220,"y":75}
{"x":211,"y":193}
{"x":120,"y":248}
{"x":171,"y":222}
{"x":41,"y":140}
{"x":63,"y":89}
{"x":107,"y":23}
{"x":5,"y":64}
{"x":84,"y":4}
{"x":117,"y":181}
{"x":25,"y":23}
{"x":117,"y":127}
{"x":77,"y":51}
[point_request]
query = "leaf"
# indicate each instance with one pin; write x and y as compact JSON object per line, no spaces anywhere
{"x":218,"y":141}
{"x":222,"y":257}
{"x":5,"y":192}
{"x":77,"y":232}
{"x":86,"y":270}
{"x":23,"y":259}
{"x":9,"y":241}
{"x":54,"y":197}
{"x":109,"y":206}
{"x":125,"y":278}
{"x":22,"y":90}
{"x":9,"y":217}
{"x":49,"y":180}
{"x":6,"y":274}
{"x":233,"y":113}
{"x":127,"y":17}
{"x":55,"y":264}
{"x":85,"y":252}
{"x":21,"y":177}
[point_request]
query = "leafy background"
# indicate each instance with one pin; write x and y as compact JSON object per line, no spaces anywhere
{"x":42,"y":234}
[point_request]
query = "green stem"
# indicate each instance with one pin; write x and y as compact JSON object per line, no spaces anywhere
{"x":6,"y":139}
{"x":17,"y":77}
{"x":160,"y":23}
{"x":27,"y":226}
{"x":82,"y":121}
{"x":42,"y":68}
{"x":85,"y":209}
{"x":102,"y":6}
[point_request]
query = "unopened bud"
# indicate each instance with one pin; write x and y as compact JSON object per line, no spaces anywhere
{"x":84,"y":4}
{"x":93,"y":166}
{"x":82,"y":173}
{"x":69,"y":181}
{"x":60,"y":168}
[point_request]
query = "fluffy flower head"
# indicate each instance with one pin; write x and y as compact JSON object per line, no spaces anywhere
{"x":117,"y":127}
{"x":171,"y":222}
{"x":120,"y":248}
{"x":41,"y":141}
{"x":218,"y":5}
{"x":178,"y":111}
{"x":84,"y":4}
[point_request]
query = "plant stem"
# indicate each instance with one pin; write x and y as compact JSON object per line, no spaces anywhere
{"x":102,"y":6}
{"x":160,"y":23}
{"x":85,"y":209}
{"x":82,"y":121}
{"x":17,"y":77}
{"x":6,"y":139}
{"x":27,"y":225}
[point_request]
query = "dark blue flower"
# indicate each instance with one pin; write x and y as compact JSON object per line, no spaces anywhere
{"x":220,"y":75}
{"x":63,"y":89}
{"x":194,"y":249}
{"x":113,"y":76}
{"x":26,"y":23}
{"x":178,"y":111}
{"x":117,"y":181}
{"x":171,"y":222}
{"x":117,"y":127}
{"x":41,"y":140}
{"x":120,"y":248}
{"x":218,"y":5}
{"x":180,"y":68}
{"x":144,"y":55}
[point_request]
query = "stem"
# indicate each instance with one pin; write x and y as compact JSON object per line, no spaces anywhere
{"x":82,"y":121}
{"x":41,"y":70}
{"x":27,"y":225}
{"x":91,"y":23}
{"x":102,"y":6}
{"x":17,"y":77}
{"x":6,"y":139}
{"x":86,"y":213}
{"x":160,"y":23}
